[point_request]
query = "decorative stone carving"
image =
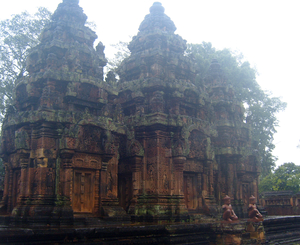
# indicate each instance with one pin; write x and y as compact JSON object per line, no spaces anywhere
{"x":253,"y":212}
{"x":228,"y":213}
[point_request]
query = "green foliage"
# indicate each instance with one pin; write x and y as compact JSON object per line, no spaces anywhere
{"x":285,"y":178}
{"x":261,"y":107}
{"x":17,"y":36}
{"x":122,"y":52}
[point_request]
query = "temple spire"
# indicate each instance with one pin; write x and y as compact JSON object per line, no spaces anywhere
{"x":69,"y":11}
{"x":158,"y":50}
{"x":157,"y":20}
{"x":157,"y":8}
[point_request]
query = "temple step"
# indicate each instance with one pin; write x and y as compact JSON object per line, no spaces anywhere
{"x":282,"y":229}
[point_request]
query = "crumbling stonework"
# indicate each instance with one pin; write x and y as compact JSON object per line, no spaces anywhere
{"x":151,"y":146}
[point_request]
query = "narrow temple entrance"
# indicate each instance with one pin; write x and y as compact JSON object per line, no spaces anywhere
{"x":16,"y":187}
{"x":125,"y":190}
{"x":190,"y":195}
{"x":83,"y":195}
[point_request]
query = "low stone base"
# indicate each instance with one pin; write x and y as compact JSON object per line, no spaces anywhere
{"x":114,"y":213}
{"x":240,"y":233}
{"x":153,"y":208}
{"x":214,"y":233}
{"x":91,"y":230}
{"x":111,"y":211}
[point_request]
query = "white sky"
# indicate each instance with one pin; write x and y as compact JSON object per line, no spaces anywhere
{"x":266,"y":32}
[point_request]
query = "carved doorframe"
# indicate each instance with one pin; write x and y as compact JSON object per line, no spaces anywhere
{"x":84,"y":186}
{"x":190,"y":178}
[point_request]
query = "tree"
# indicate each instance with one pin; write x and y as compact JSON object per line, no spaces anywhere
{"x":285,"y":178}
{"x":261,"y":107}
{"x":17,"y":36}
{"x":122,"y":52}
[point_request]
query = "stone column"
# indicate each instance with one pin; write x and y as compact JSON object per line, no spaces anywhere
{"x":66,"y":163}
{"x":110,"y":208}
{"x":199,"y":190}
{"x":136,"y":174}
{"x":230,"y":180}
{"x":24,"y":176}
{"x":205,"y":182}
{"x":136,"y":180}
{"x":3,"y":202}
{"x":179,"y":208}
{"x":97,"y":191}
{"x":10,"y":190}
{"x":211,"y":179}
{"x":63,"y":212}
{"x":103,"y":179}
{"x":41,"y":178}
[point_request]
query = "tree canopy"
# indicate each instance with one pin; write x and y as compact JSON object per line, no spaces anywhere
{"x":261,"y":107}
{"x":285,"y":178}
{"x":122,"y":52}
{"x":17,"y":36}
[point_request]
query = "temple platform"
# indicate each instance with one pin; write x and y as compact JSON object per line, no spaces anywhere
{"x":273,"y":230}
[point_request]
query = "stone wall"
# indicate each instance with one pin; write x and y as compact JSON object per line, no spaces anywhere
{"x":281,"y":202}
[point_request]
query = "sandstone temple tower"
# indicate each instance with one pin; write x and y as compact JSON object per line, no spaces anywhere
{"x":151,"y":146}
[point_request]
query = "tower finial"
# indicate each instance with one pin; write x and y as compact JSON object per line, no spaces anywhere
{"x":69,"y":10}
{"x":157,"y":8}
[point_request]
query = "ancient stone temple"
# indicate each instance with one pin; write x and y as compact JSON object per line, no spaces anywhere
{"x":151,"y":146}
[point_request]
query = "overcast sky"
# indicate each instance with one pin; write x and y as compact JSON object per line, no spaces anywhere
{"x":266,"y":32}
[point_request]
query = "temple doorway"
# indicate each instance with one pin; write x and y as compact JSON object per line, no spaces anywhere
{"x":83,"y":194}
{"x":190,"y":195}
{"x":125,"y":190}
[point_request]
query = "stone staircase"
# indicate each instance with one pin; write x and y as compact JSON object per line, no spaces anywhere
{"x":282,"y":230}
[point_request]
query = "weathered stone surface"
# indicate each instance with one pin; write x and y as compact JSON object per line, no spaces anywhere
{"x":182,"y":233}
{"x":59,"y":144}
{"x":152,"y":145}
